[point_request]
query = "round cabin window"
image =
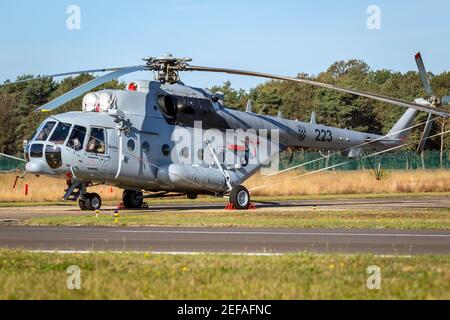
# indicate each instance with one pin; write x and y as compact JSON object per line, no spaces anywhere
{"x":166,"y":150}
{"x":185,"y":152}
{"x":131,"y":145}
{"x":145,"y":147}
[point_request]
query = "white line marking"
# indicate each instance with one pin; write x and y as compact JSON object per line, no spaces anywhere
{"x":186,"y":253}
{"x":405,"y":235}
{"x":256,"y":254}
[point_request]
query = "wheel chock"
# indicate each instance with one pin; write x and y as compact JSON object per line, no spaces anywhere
{"x":231,"y":207}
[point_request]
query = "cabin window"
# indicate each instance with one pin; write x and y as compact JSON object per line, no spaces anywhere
{"x":131,"y":145}
{"x":166,"y":150}
{"x":60,"y":134}
{"x":145,"y":147}
{"x":45,"y":131}
{"x":185,"y":152}
{"x":76,"y":138}
{"x":96,"y":142}
{"x":36,"y":150}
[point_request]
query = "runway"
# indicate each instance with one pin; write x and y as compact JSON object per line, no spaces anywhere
{"x":400,"y":203}
{"x":229,"y":240}
{"x":226,"y":240}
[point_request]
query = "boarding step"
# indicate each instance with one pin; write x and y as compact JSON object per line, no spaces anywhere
{"x":74,"y":191}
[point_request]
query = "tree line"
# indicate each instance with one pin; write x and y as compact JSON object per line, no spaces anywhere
{"x":294,"y":101}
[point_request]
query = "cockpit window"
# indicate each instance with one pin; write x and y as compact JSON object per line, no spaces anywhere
{"x":60,"y":134}
{"x":96,"y":142}
{"x":45,"y":131}
{"x":76,"y":138}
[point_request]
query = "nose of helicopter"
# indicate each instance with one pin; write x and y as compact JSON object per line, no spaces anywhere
{"x":37,"y":166}
{"x":42,"y":159}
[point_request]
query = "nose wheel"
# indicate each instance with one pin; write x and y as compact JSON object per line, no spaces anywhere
{"x":90,"y":202}
{"x":240,"y":198}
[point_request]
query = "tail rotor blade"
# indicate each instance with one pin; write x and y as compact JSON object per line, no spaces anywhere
{"x":425,"y":134}
{"x":423,"y":74}
{"x":75,"y":93}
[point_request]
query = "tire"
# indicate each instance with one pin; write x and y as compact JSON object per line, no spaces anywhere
{"x":82,"y":204}
{"x":94,"y":202}
{"x":240,"y":198}
{"x":192,"y":196}
{"x":132,"y":199}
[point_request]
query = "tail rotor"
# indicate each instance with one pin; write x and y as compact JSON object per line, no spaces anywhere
{"x":431,"y":101}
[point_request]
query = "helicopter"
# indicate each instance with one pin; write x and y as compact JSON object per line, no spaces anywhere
{"x":162,"y":137}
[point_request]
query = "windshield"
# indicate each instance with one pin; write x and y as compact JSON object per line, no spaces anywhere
{"x":61,"y":132}
{"x":45,"y":131}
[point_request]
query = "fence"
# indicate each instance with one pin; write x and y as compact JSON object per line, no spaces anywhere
{"x":8,"y":164}
{"x":389,"y":161}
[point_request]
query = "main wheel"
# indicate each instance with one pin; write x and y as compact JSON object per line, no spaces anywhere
{"x":192,"y":196}
{"x":95,"y":201}
{"x":240,"y":198}
{"x":132,"y":199}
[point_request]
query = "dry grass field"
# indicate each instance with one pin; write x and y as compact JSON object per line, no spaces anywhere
{"x":44,"y":189}
{"x":351,"y":182}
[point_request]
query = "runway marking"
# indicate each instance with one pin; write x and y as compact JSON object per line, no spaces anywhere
{"x":175,"y":253}
{"x":405,"y":235}
{"x":187,"y":253}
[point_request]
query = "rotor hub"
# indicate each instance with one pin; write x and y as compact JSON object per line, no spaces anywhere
{"x":167,"y":67}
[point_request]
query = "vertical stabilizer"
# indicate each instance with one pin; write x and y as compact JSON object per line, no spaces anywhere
{"x":406,"y":121}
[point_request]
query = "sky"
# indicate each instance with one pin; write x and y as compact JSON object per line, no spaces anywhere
{"x":281,"y":37}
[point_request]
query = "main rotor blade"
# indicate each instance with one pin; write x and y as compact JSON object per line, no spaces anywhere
{"x":377,"y":97}
{"x":88,"y":86}
{"x":60,"y":75}
{"x":423,"y":74}
{"x":12,"y":157}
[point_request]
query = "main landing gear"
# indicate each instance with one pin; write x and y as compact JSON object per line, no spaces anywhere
{"x":132,"y":199}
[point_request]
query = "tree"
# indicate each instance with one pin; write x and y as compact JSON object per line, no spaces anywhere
{"x":234,"y":99}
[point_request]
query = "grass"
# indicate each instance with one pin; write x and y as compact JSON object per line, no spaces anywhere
{"x":337,"y":183}
{"x":351,"y":182}
{"x":276,"y":218}
{"x":205,"y":199}
{"x":25,"y":275}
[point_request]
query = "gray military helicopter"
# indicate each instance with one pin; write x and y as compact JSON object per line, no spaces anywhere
{"x":141,"y":139}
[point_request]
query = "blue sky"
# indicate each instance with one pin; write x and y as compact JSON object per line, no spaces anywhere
{"x":283,"y":37}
